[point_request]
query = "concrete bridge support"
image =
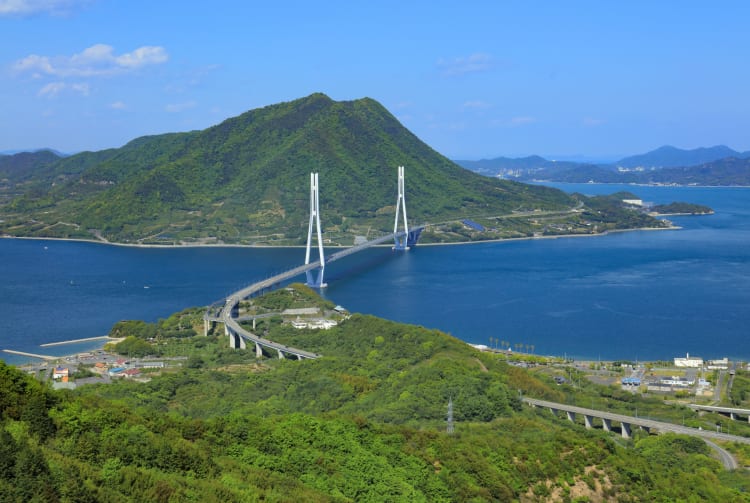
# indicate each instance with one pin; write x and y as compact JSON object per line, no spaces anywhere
{"x":235,"y":341}
{"x":207,"y":326}
{"x":606,"y":424}
{"x":588,"y":421}
{"x":626,"y":432}
{"x":732,"y":416}
{"x":553,"y":411}
{"x":281,"y":355}
{"x":258,"y":351}
{"x":571,"y":416}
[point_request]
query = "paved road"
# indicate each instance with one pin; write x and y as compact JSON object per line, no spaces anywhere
{"x":724,"y":456}
{"x":638,"y":421}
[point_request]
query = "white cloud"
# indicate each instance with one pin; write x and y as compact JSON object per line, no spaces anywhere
{"x":118,"y":105}
{"x":478,"y":62}
{"x":95,"y":61}
{"x":30,"y":7}
{"x":179,"y":107}
{"x":54,"y":88}
{"x":80,"y":88}
{"x":143,"y":56}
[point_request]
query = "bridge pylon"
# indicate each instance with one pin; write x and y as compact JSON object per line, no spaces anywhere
{"x":401,"y":243}
{"x":315,"y":282}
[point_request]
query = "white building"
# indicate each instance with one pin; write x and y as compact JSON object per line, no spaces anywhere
{"x":634,"y":202}
{"x":722,"y":364}
{"x":694,"y":362}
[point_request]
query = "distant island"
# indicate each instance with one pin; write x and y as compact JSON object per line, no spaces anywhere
{"x":245,"y":182}
{"x":715,"y":166}
{"x":678,"y":208}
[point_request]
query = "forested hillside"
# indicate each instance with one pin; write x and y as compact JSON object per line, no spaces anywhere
{"x":366,"y":422}
{"x":246,"y":181}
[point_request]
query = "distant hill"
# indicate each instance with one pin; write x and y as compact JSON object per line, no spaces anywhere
{"x":518,"y":168}
{"x":25,"y":165}
{"x":247,"y":180}
{"x":718,"y":165}
{"x":730,"y":171}
{"x":671,"y":157}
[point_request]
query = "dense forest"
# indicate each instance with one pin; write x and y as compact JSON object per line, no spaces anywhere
{"x":366,"y":422}
{"x":246,"y":181}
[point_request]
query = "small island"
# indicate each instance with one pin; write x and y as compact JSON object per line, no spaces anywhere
{"x":681,"y":208}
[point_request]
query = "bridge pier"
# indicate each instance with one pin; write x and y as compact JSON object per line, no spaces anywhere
{"x":553,"y":411}
{"x":588,"y":421}
{"x":732,"y":416}
{"x":607,"y":424}
{"x":258,"y":351}
{"x":571,"y":416}
{"x":281,"y":355}
{"x":625,"y":428}
{"x":235,"y":341}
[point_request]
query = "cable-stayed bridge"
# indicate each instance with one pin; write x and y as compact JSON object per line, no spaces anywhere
{"x":228,"y":312}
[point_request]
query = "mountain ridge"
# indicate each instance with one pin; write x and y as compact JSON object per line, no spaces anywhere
{"x":248,"y":176}
{"x":718,"y":165}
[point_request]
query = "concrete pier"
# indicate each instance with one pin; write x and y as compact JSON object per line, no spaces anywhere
{"x":626,"y":433}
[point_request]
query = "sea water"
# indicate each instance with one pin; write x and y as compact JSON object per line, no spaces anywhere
{"x":641,"y":295}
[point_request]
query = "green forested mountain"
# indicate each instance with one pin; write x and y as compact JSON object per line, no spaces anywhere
{"x":247,"y":180}
{"x":366,"y":422}
{"x":25,"y":165}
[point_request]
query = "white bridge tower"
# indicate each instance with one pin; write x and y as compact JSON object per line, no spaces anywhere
{"x":402,"y":242}
{"x":315,"y":218}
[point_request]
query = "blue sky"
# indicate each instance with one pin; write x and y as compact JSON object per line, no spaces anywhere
{"x":472,"y":79}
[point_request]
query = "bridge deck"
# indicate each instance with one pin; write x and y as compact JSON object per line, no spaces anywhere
{"x":724,"y":410}
{"x":646,"y":423}
{"x":224,"y":315}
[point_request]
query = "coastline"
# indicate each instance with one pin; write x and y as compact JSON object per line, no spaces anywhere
{"x":676,"y":185}
{"x":33,"y":358}
{"x":230,"y":245}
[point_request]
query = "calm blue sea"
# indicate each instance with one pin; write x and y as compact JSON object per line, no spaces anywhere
{"x":634,"y":295}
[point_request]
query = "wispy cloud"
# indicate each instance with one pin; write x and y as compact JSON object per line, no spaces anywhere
{"x":95,"y":61}
{"x":118,"y":105}
{"x":54,"y":88}
{"x":477,"y":104}
{"x":478,"y":62}
{"x":31,"y":7}
{"x":180,"y":107}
